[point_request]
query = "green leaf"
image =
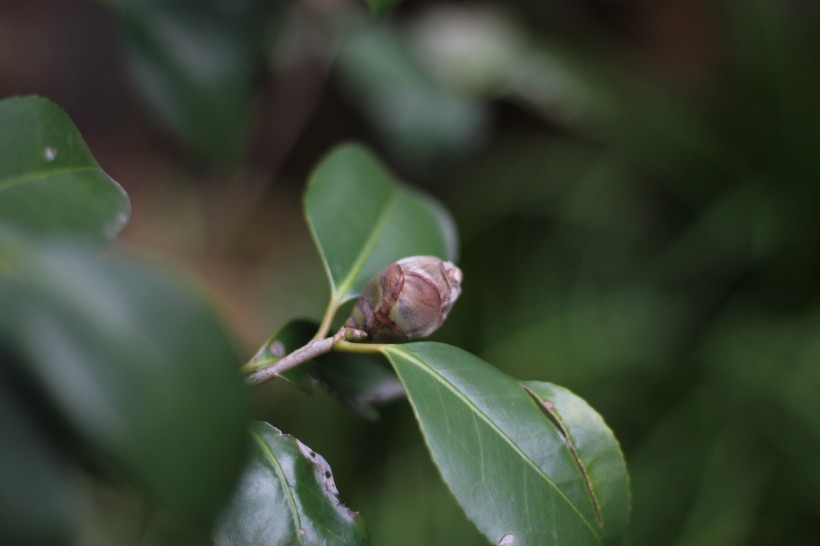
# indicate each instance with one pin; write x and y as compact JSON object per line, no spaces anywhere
{"x":137,"y":366}
{"x":49,"y":181}
{"x":358,"y":381}
{"x":362,"y":220}
{"x":197,"y":66}
{"x":287,"y":497}
{"x":523,"y":473}
{"x":595,"y":451}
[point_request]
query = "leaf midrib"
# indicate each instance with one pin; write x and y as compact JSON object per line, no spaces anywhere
{"x":42,"y":175}
{"x":281,"y":473}
{"x":378,"y":228}
{"x":449,"y":386}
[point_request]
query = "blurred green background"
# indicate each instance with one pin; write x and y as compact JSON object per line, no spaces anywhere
{"x":636,"y":184}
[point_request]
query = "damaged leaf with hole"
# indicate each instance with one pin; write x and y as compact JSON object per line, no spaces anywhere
{"x":287,"y":496}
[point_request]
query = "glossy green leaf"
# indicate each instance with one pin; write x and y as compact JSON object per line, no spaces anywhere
{"x":362,"y":220}
{"x":530,"y":464}
{"x":287,"y":497}
{"x":595,"y":451}
{"x":358,"y":381}
{"x":137,"y":366}
{"x":197,"y":66}
{"x":50,"y":184}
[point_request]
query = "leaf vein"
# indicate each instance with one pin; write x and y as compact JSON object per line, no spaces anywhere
{"x":468,"y":403}
{"x":285,"y":487}
{"x":367,"y":248}
{"x":23,"y":179}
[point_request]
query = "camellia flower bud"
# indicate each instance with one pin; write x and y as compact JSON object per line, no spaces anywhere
{"x":408,"y":299}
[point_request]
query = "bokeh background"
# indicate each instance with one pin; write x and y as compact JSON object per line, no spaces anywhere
{"x":636,"y":184}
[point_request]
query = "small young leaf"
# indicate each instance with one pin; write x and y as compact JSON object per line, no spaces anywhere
{"x":359,"y":381}
{"x":287,"y":497}
{"x":362,"y":220}
{"x":515,"y":470}
{"x":50,"y":183}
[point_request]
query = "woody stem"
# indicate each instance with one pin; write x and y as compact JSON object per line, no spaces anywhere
{"x":310,"y":351}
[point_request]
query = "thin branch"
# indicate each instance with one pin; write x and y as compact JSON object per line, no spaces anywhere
{"x":310,"y":351}
{"x":314,"y":348}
